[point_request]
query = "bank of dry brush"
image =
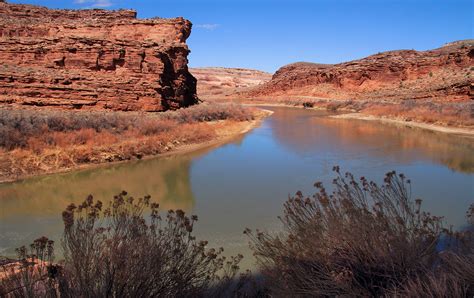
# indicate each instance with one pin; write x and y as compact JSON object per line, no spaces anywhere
{"x":35,"y":140}
{"x":123,"y":249}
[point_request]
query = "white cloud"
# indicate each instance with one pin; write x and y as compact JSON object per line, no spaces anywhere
{"x":95,"y":3}
{"x":209,"y":27}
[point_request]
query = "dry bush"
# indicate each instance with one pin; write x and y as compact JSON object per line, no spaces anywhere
{"x":156,"y":126}
{"x":452,"y":277}
{"x":193,"y":133}
{"x":361,"y":240}
{"x":119,"y":251}
{"x":211,"y":112}
{"x":335,"y":106}
{"x":84,"y":136}
{"x":30,"y":275}
{"x":17,"y":127}
{"x":40,"y":129}
{"x":34,"y":141}
{"x":454,"y":114}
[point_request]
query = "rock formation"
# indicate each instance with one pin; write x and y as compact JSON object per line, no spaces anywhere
{"x":220,"y":83}
{"x":445,"y":73}
{"x":93,"y":59}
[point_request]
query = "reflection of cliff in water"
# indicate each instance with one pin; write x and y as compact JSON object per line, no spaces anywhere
{"x":167,"y":180}
{"x":310,"y":133}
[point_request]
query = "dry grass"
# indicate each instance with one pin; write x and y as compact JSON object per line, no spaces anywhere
{"x":450,"y":114}
{"x":455,"y":114}
{"x":35,"y":141}
{"x":211,"y":112}
{"x":365,"y":240}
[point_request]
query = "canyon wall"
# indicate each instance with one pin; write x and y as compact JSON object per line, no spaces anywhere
{"x":93,"y":59}
{"x":219,"y":83}
{"x":445,"y":73}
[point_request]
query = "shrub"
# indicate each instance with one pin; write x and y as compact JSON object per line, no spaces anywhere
{"x":54,"y":128}
{"x":456,"y":113}
{"x":31,"y":275}
{"x":211,"y":112}
{"x":362,"y":240}
{"x":18,"y":126}
{"x":156,"y":126}
{"x":118,"y":251}
{"x":338,"y":105}
{"x":332,"y":107}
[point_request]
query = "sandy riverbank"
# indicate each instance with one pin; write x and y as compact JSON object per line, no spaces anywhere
{"x":360,"y":116}
{"x":433,"y":127}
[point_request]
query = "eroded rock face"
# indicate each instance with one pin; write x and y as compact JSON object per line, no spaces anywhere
{"x":93,"y":59}
{"x":445,"y":73}
{"x":224,"y":83}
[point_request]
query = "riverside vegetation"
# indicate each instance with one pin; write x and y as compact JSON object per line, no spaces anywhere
{"x":362,"y":239}
{"x":36,"y":141}
{"x":448,"y":114}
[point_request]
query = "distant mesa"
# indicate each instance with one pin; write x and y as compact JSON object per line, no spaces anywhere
{"x":222,"y":83}
{"x":96,"y":58}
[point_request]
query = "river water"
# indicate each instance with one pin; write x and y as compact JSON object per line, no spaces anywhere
{"x":244,"y":183}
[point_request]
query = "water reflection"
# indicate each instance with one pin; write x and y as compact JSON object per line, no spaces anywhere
{"x":33,"y":207}
{"x":244,"y":183}
{"x":309,"y":130}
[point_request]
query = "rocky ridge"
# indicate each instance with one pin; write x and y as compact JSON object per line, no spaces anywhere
{"x":218,"y":83}
{"x":444,"y":73}
{"x":93,"y":59}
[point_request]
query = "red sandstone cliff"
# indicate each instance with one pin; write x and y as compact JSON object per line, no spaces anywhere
{"x":219,"y":83}
{"x":445,"y":73}
{"x":93,"y":59}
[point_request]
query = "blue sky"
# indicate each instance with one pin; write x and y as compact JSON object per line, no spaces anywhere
{"x":267,"y":34}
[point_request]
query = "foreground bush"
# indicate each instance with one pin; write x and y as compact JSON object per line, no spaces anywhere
{"x":120,"y":252}
{"x":361,"y":240}
{"x":364,"y":240}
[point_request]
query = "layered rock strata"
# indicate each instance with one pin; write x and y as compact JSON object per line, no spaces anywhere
{"x":222,"y":83}
{"x":444,"y":73}
{"x":93,"y":59}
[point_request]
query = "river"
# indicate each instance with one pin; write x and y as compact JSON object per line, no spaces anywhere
{"x":244,"y":183}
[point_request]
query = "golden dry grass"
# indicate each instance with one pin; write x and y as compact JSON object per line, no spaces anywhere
{"x":35,"y":142}
{"x":448,"y":114}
